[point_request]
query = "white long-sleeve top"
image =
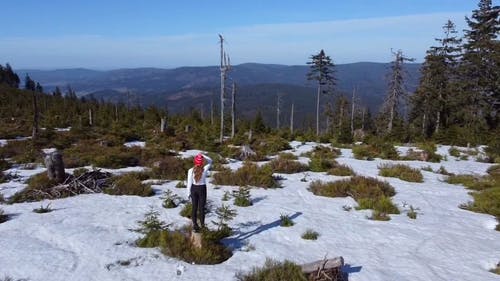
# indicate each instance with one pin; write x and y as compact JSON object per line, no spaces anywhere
{"x":203,"y":180}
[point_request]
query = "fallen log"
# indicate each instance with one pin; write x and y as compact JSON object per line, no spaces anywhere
{"x":326,"y":269}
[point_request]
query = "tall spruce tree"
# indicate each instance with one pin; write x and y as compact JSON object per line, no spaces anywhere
{"x":434,"y":98}
{"x":322,"y":71}
{"x":480,"y":69}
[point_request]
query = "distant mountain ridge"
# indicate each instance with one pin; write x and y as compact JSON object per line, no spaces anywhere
{"x":185,"y":87}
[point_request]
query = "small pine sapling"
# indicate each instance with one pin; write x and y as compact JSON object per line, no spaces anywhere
{"x":412,"y":213}
{"x":180,"y":184}
{"x":43,"y":210}
{"x":224,"y":215}
{"x":286,"y":221}
{"x":170,"y":199}
{"x":151,"y":223}
{"x":242,"y":197}
{"x":226,"y":196}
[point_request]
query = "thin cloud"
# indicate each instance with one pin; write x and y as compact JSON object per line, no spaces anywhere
{"x":291,"y":43}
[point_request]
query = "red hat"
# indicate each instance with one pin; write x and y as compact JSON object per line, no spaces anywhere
{"x":198,"y":160}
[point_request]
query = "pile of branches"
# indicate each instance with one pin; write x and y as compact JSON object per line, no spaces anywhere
{"x":88,"y":182}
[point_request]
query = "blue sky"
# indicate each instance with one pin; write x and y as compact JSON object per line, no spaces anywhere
{"x":115,"y":34}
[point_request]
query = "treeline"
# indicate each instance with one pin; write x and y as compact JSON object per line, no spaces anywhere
{"x":459,"y":92}
{"x":457,"y":100}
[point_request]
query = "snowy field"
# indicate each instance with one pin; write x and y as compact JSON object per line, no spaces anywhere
{"x":88,"y":237}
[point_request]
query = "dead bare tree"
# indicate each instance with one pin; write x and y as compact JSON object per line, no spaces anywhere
{"x":353,"y":102}
{"x":396,"y":87}
{"x":233,"y":118}
{"x":225,"y":65}
{"x":278,"y":108}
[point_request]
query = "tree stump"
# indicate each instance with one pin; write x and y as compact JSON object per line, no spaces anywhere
{"x":196,"y":239}
{"x":246,"y":152}
{"x":55,"y":166}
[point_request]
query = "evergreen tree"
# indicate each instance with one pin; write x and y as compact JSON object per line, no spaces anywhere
{"x":433,"y":101}
{"x":480,"y":69}
{"x":322,"y":70}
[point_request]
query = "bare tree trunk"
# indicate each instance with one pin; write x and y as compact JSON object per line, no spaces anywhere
{"x":423,"y":124}
{"x":352,"y":110}
{"x":116,"y":113}
{"x":278,"y":111}
{"x":90,"y":116}
{"x":317,"y":110}
{"x":34,"y":133}
{"x":233,"y":119}
{"x":363,"y":119}
{"x":163,"y":125}
{"x":291,"y":119}
{"x":223,"y":69}
{"x":212,"y":112}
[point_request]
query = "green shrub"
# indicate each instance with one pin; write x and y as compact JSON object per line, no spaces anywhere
{"x":430,"y":149}
{"x":274,"y":271}
{"x":250,"y":174}
{"x":486,"y":201}
{"x":402,"y":172}
{"x":496,"y":270}
{"x":412,"y":213}
{"x":3,"y":177}
{"x":341,"y":170}
{"x":3,"y":217}
{"x":285,"y":221}
{"x":310,"y":235}
{"x":428,"y":168}
{"x":358,"y":187}
{"x":369,"y":193}
{"x":286,"y":166}
{"x":80,"y":171}
{"x":21,"y":152}
{"x":186,"y":210}
{"x":379,"y":216}
{"x":172,"y":168}
{"x":494,"y":171}
{"x":376,"y":150}
{"x":472,"y":182}
{"x":177,"y":243}
{"x":318,"y":164}
{"x":270,"y":145}
{"x":40,"y":181}
{"x":4,"y":165}
{"x":180,"y":184}
{"x":129,"y":184}
{"x":91,"y":152}
{"x":43,"y":210}
{"x":453,"y":151}
{"x":324,"y":152}
{"x":242,"y":196}
{"x":287,"y":156}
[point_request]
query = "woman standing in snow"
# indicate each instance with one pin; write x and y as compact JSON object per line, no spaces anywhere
{"x":197,"y":187}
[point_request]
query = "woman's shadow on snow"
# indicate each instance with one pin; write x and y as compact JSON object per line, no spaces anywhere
{"x":239,"y":240}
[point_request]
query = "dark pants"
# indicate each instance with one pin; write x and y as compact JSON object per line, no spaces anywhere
{"x":198,"y":199}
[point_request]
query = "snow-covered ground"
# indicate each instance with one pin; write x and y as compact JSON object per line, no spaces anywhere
{"x":141,"y":144}
{"x":87,"y":236}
